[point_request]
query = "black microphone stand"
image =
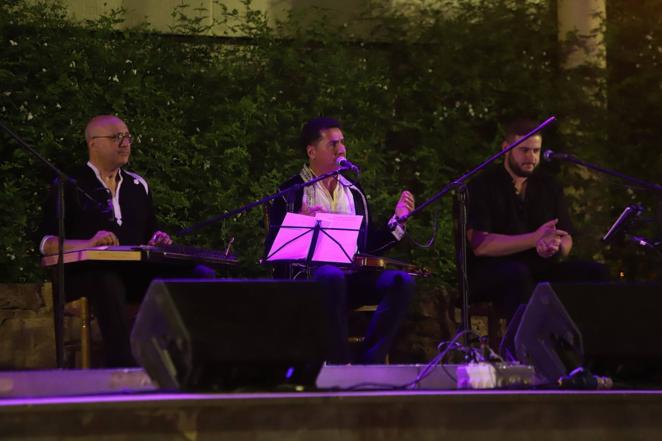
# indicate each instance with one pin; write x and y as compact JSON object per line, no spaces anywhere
{"x":632,"y":181}
{"x":635,"y":182}
{"x":264,"y":200}
{"x":459,"y":185}
{"x":58,"y":303}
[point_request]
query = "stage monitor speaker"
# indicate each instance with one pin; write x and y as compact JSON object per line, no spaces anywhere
{"x":610,"y":328}
{"x":225,"y":334}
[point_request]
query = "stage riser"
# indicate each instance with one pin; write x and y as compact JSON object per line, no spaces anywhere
{"x":385,"y":416}
{"x":69,"y":382}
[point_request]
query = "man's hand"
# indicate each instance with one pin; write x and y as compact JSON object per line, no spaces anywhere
{"x":103,"y":238}
{"x":310,"y":211}
{"x":550,"y":243}
{"x":405,"y":205}
{"x":160,"y":238}
{"x":546,"y":228}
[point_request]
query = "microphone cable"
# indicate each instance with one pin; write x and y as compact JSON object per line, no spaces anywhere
{"x":435,"y":228}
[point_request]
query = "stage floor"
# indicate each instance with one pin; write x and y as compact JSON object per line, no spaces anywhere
{"x":140,"y":412}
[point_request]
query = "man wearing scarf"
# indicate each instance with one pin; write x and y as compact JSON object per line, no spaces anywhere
{"x":323,"y":141}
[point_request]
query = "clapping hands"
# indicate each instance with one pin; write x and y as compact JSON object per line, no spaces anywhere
{"x":549,"y":240}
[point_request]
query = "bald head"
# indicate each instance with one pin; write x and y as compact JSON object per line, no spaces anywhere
{"x":108,"y":142}
{"x":100,"y":123}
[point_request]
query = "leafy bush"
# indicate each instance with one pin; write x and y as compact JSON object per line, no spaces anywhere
{"x":217,"y":119}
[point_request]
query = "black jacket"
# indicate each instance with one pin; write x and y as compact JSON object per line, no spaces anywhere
{"x":83,"y":218}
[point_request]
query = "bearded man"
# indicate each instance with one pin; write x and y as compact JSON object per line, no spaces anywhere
{"x":519,"y":228}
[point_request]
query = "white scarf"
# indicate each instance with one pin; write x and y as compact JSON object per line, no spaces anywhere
{"x":341,"y":201}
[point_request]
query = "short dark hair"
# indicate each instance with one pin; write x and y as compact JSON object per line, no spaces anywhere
{"x":311,"y":131}
{"x":519,"y":127}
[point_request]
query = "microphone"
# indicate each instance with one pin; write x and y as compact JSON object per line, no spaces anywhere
{"x":346,"y":164}
{"x":550,"y":155}
{"x":581,"y":378}
{"x":623,"y":219}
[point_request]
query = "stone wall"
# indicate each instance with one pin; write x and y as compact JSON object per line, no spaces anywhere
{"x":26,"y":326}
{"x":27,"y":338}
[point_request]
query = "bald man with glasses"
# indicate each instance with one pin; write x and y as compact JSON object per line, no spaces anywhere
{"x":122,"y":215}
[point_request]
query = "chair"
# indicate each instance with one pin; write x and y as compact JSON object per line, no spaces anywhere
{"x":77,"y":312}
{"x":357,"y":327}
{"x":79,"y":309}
{"x":358,"y":323}
{"x":488,"y":310}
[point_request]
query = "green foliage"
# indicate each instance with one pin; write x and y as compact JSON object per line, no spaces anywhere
{"x":634,"y":130}
{"x":217,"y":119}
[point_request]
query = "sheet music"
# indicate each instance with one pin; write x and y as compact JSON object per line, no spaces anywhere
{"x":329,"y":251}
{"x":296,"y":248}
{"x":293,"y":242}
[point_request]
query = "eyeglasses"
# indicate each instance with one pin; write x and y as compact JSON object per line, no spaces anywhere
{"x":117,"y":137}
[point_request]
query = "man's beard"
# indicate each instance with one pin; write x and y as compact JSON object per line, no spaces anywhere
{"x":515,"y":168}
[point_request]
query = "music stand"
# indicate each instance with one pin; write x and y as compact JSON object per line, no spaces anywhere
{"x":325,"y":238}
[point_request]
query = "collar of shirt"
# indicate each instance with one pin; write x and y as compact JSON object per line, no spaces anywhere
{"x":114,"y":200}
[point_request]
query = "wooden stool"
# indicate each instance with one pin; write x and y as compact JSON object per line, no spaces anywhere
{"x":487,"y":309}
{"x":76,"y":309}
{"x":358,"y":337}
{"x":354,"y":339}
{"x":80,"y":309}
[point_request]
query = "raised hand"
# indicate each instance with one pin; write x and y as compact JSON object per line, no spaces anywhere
{"x":405,"y":204}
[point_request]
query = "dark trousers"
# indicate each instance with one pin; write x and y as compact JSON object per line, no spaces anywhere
{"x":510,"y":283}
{"x":110,"y":288}
{"x":391,"y":290}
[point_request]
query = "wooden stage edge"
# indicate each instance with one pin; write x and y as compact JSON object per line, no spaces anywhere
{"x":384,"y":415}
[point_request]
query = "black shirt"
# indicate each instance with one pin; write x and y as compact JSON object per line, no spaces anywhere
{"x":83,"y":218}
{"x":495,"y":207}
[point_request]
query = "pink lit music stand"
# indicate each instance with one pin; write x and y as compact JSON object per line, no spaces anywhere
{"x":325,"y":238}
